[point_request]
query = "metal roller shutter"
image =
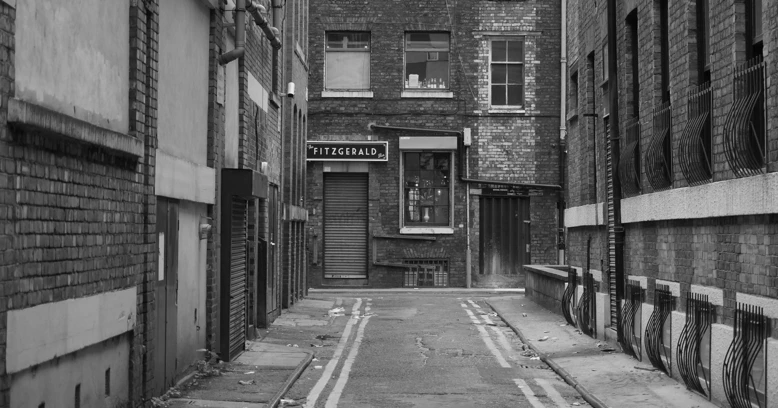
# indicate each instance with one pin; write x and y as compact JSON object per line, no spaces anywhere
{"x":238,"y":288}
{"x":345,"y":225}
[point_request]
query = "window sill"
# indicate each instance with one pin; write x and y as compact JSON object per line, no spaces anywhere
{"x":427,"y":94}
{"x":507,"y":110}
{"x":426,"y":230}
{"x":346,"y":94}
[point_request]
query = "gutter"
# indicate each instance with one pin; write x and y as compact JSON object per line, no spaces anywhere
{"x":256,"y":10}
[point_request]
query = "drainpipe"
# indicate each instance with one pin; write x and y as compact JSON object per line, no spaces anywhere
{"x":256,"y":10}
{"x":562,"y":242}
{"x":615,"y":231}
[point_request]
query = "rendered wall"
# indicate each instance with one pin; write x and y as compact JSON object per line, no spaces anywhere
{"x":191,"y":284}
{"x":73,"y":57}
{"x":183,"y":79}
{"x":55,"y":382}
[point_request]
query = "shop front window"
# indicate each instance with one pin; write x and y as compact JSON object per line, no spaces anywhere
{"x":427,"y":189}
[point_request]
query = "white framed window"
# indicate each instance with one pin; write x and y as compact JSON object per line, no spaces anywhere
{"x":427,"y":194}
{"x":347,"y":61}
{"x":427,"y":60}
{"x":506,"y":72}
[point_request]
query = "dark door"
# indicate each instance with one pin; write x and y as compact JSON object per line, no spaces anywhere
{"x":166,"y":296}
{"x":273,"y":288}
{"x":345,"y":225}
{"x":238,"y":277}
{"x":504,"y":237}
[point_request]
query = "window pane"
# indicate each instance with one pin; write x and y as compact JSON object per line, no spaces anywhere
{"x":347,"y":70}
{"x":499,"y":51}
{"x":426,"y":161}
{"x":426,"y":69}
{"x":441,"y":215}
{"x":442,"y":167}
{"x":429,"y":41}
{"x":412,"y":208}
{"x":515,"y":74}
{"x":756,"y":5}
{"x":348,"y":41}
{"x":441,"y":196}
{"x":498,"y":95}
{"x":516,"y":51}
{"x":499,"y":74}
{"x":515,"y":95}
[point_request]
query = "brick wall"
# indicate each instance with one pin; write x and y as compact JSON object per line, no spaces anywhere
{"x":730,"y":253}
{"x":79,"y":219}
{"x":514,"y":146}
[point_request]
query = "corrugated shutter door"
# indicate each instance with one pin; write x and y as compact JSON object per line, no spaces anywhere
{"x":238,"y":261}
{"x":345,"y":225}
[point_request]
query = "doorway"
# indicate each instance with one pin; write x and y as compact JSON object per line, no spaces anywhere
{"x":504,"y":239}
{"x":166,"y":295}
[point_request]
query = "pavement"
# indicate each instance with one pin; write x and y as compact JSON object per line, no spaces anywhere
{"x":267,"y":370}
{"x":604,"y":378}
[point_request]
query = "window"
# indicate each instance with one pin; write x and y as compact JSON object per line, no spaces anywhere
{"x":426,"y":60}
{"x":703,"y":41}
{"x":347,"y":64}
{"x":507,"y":73}
{"x":427,"y":188}
{"x":754,"y":28}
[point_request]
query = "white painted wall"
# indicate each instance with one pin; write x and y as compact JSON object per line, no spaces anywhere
{"x":54,"y":383}
{"x":40,"y":333}
{"x":73,"y":57}
{"x":183,"y":79}
{"x":191,"y":284}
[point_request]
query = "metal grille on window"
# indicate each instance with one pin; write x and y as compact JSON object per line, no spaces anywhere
{"x":693,"y":352}
{"x":586,"y":311}
{"x":744,"y":130}
{"x":694,"y":149}
{"x":426,"y":272}
{"x":745,"y":363}
{"x":631,"y":340}
{"x":629,"y":162}
{"x":568,"y":297}
{"x":659,"y":330}
{"x":659,"y":163}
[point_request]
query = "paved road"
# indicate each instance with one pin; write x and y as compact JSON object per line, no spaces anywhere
{"x":408,"y":350}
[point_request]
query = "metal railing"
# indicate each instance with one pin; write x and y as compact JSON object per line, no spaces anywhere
{"x":694,"y":149}
{"x":658,"y":352}
{"x":425,"y":272}
{"x":659,"y":163}
{"x":740,"y":381}
{"x":568,"y":297}
{"x":630,"y":315}
{"x":629,"y":162}
{"x":696,"y":331}
{"x":586,"y":310}
{"x":745,"y":130}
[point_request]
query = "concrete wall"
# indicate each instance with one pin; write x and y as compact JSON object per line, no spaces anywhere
{"x":191,"y":284}
{"x":183,"y":79}
{"x":73,"y":57}
{"x":55,"y":382}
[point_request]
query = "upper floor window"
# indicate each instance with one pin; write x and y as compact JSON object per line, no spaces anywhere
{"x":427,"y":60}
{"x":506,"y":67}
{"x":347,"y":64}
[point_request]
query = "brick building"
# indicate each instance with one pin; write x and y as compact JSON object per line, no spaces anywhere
{"x":433,"y":155}
{"x":672,"y":117}
{"x":142,"y":163}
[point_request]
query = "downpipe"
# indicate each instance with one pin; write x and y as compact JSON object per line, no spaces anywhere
{"x":256,"y":10}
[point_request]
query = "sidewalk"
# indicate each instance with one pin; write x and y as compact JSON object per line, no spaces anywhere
{"x":258,"y":378}
{"x":604,"y":379}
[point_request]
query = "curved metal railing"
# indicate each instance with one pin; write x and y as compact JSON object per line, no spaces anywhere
{"x":568,"y":297}
{"x":739,"y":383}
{"x":632,"y":302}
{"x":656,"y":349}
{"x":658,"y":158}
{"x":699,"y":315}
{"x":694,"y":149}
{"x":744,"y":129}
{"x":629,"y":160}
